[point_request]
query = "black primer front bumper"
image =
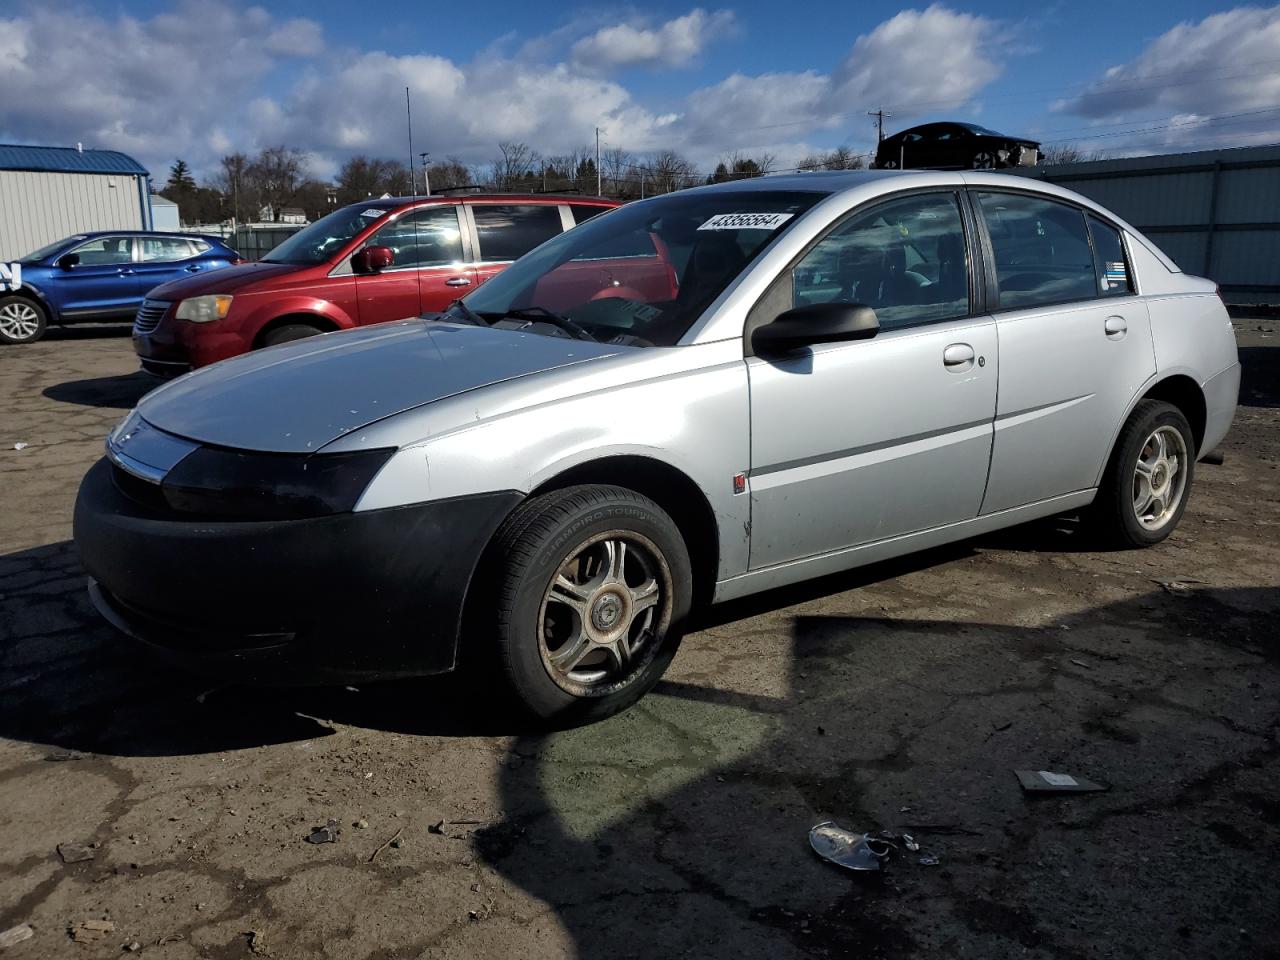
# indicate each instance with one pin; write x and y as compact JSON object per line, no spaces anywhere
{"x":354,"y":596}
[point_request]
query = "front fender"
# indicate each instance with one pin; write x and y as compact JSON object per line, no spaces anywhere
{"x":275,"y":307}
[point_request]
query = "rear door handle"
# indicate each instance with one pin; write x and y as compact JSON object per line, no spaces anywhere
{"x":1116,"y":327}
{"x":194,"y":268}
{"x":457,"y":282}
{"x":957,"y":357}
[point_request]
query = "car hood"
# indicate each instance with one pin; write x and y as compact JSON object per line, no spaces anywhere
{"x":226,"y":280}
{"x":299,"y":396}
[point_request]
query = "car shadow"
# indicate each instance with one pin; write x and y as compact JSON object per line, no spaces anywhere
{"x":1259,"y":385}
{"x":122,"y":391}
{"x":103,"y":330}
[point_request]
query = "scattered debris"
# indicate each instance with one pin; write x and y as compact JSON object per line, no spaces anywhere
{"x":822,"y":732}
{"x":396,"y":842}
{"x":1175,"y":585}
{"x":909,"y":842}
{"x":437,"y":827}
{"x":853,"y":851}
{"x":463,"y":823}
{"x":170,"y":938}
{"x":928,"y":860}
{"x":132,"y":947}
{"x":326,"y":834}
{"x":393,"y":842}
{"x":1081,"y":663}
{"x":74,"y":852}
{"x":21,"y":445}
{"x":257,"y":943}
{"x":361,"y":824}
{"x":1043,"y":781}
{"x":1002,"y":725}
{"x":91,"y":931}
{"x":15,"y":935}
{"x":62,"y":756}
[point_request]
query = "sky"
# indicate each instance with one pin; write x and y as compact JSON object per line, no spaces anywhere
{"x":161,"y":79}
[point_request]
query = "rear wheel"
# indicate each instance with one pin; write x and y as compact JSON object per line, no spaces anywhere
{"x":592,"y":586}
{"x":983,"y":160}
{"x":22,"y":320}
{"x":1148,"y":479}
{"x":291,"y":331}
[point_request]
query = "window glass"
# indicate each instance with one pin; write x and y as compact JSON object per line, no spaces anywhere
{"x":1113,"y":267}
{"x":424,"y":238}
{"x":105,"y":251}
{"x":324,"y":238}
{"x":199,"y":245}
{"x":164,"y":248}
{"x":1041,"y":250}
{"x":583,"y":212}
{"x":508,"y":232}
{"x":905,"y":259}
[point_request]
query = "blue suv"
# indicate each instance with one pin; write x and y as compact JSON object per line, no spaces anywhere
{"x":98,"y":276}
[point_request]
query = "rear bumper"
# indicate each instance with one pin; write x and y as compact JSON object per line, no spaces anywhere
{"x":1221,"y":393}
{"x":358,"y":596}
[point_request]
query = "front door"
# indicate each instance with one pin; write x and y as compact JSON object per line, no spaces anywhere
{"x":427,"y":273}
{"x":861,"y":441}
{"x":1075,"y":346}
{"x":103,"y":282}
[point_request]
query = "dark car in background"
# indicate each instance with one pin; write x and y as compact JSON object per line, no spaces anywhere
{"x":954,"y":146}
{"x":371,"y":262}
{"x":101,"y":276}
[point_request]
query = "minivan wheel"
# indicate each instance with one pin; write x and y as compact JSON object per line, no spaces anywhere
{"x":291,"y":331}
{"x":592,"y":589}
{"x":1148,"y":479}
{"x":21,"y":320}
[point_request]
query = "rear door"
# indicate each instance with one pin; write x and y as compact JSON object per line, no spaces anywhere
{"x":507,"y":231}
{"x":103,"y":282}
{"x":1075,"y":345}
{"x":428,"y":272}
{"x":862,"y":441}
{"x":161,"y":259}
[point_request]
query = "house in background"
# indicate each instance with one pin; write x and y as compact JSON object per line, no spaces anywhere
{"x":47,"y":193}
{"x":294,"y":215}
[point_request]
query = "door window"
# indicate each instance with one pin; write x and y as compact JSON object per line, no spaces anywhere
{"x":509,"y":231}
{"x":583,"y":212}
{"x":106,"y":251}
{"x":424,"y":238}
{"x":158,"y":249}
{"x":906,"y":259}
{"x":1114,"y":278}
{"x":1041,"y":250}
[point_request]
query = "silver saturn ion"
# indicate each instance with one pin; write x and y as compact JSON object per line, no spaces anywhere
{"x":685,"y":400}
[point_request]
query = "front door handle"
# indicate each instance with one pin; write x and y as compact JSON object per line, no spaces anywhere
{"x":957,"y":357}
{"x":1116,"y":328}
{"x":457,"y":282}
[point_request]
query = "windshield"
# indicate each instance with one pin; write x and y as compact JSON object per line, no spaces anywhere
{"x":641,"y":274}
{"x":49,"y":249}
{"x":320,"y":241}
{"x":985,"y":131}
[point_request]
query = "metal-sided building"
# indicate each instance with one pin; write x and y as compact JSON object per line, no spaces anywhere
{"x":47,"y":193}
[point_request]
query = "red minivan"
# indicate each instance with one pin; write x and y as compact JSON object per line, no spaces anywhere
{"x":367,"y":263}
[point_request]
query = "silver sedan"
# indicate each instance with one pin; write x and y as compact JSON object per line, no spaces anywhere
{"x":686,"y":400}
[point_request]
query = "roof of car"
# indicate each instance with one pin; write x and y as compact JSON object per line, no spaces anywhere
{"x":67,"y":160}
{"x":389,"y":203}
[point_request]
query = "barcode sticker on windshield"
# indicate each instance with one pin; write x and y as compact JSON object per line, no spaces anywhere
{"x":746,"y":221}
{"x":372,"y":212}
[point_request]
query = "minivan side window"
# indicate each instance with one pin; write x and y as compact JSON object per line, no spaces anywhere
{"x":1041,"y":249}
{"x":509,"y":231}
{"x":906,"y":259}
{"x":422,"y":238}
{"x":1114,"y":278}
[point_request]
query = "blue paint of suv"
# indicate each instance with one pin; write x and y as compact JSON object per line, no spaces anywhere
{"x":101,"y":276}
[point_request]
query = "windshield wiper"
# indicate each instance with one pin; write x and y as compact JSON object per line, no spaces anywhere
{"x":574,"y":330}
{"x":467,"y":314}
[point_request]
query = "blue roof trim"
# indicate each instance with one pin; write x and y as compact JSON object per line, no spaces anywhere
{"x":68,"y":160}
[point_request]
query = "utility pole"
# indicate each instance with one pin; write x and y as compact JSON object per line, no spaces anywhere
{"x":599,"y":182}
{"x":413,"y":176}
{"x":879,"y":115}
{"x":426,"y":176}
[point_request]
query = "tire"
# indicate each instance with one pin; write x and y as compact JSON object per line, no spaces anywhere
{"x":551,"y":640}
{"x":22,"y":320}
{"x":983,"y":160}
{"x":1123,"y":495}
{"x":290,"y":332}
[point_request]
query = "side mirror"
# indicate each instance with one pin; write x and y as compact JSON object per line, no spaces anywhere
{"x":816,"y":323}
{"x":372,"y":259}
{"x":68,"y":260}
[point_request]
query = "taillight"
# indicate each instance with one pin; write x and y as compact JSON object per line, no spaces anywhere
{"x":237,"y":261}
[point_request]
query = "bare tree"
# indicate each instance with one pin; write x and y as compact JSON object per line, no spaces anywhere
{"x":839,"y":158}
{"x":668,"y":171}
{"x":363,"y":176}
{"x":231,"y":182}
{"x":1068,"y":153}
{"x":276,"y":174}
{"x":618,"y":168}
{"x":451,"y":173}
{"x":514,"y":165}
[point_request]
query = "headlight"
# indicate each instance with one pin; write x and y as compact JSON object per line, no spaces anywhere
{"x":204,"y":309}
{"x":235,"y":485}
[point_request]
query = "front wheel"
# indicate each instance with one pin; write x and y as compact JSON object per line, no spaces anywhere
{"x":21,"y":320}
{"x":593,"y":586}
{"x":1148,"y":479}
{"x":983,"y":160}
{"x":290,"y":332}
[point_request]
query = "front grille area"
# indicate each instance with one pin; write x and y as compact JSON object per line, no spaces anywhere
{"x":149,"y":315}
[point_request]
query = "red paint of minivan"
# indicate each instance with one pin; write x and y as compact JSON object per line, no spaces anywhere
{"x":367,"y":263}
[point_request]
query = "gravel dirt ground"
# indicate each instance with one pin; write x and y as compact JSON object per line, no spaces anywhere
{"x":901,"y":696}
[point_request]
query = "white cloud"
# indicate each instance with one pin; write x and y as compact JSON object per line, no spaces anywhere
{"x":674,"y":43}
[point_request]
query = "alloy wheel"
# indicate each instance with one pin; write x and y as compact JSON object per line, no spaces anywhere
{"x":983,"y":161}
{"x":1160,"y":477}
{"x":604,"y":613}
{"x":19,"y":321}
